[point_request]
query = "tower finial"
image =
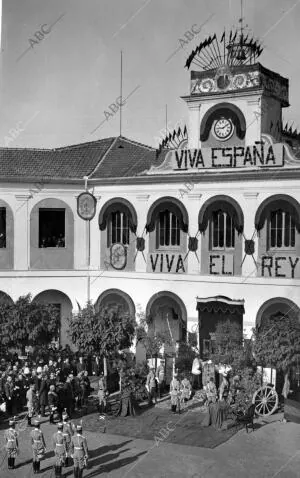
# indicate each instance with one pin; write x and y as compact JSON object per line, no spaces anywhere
{"x":241,"y":20}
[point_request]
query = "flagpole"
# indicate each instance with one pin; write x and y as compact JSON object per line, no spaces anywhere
{"x":166,"y":120}
{"x":121,"y":93}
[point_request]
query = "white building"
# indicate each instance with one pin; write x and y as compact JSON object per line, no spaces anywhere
{"x":219,"y":221}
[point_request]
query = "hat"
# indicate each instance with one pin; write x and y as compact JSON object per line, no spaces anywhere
{"x":60,"y":425}
{"x":65,"y":416}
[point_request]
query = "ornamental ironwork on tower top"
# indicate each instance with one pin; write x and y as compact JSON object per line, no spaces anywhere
{"x":234,"y":49}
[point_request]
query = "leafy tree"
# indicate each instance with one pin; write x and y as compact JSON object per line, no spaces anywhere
{"x":27,"y":322}
{"x":231,"y":348}
{"x":103,"y":332}
{"x":153,"y":342}
{"x":277,"y":342}
{"x":184,"y":360}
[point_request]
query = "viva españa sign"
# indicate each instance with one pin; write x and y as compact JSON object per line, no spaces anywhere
{"x":264,"y":154}
{"x":260,"y":154}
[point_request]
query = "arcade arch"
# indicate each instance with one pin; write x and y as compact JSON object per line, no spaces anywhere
{"x":64,"y":306}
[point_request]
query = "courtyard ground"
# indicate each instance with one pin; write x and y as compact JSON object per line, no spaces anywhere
{"x":272,"y":450}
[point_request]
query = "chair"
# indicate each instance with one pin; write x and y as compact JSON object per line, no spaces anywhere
{"x":247,"y":418}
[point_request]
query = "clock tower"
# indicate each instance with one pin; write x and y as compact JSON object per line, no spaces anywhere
{"x":233,"y":99}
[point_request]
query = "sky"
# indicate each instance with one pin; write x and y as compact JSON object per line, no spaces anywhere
{"x":57,"y":86}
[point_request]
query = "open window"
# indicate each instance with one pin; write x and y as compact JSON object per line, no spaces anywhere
{"x":2,"y":227}
{"x":51,"y":227}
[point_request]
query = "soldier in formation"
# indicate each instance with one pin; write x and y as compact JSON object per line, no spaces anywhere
{"x":59,"y":447}
{"x":68,"y":432}
{"x":38,"y":446}
{"x":79,"y":451}
{"x":11,"y":444}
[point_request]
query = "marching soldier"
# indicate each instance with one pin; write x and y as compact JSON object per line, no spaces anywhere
{"x":12,"y":444}
{"x":38,"y":446}
{"x":79,"y":452}
{"x":59,"y":446}
{"x":68,"y":432}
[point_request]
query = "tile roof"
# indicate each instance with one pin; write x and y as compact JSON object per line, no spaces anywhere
{"x":105,"y":158}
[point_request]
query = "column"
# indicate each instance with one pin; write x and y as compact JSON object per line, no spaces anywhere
{"x":194,"y":125}
{"x":193,"y":206}
{"x":22,"y":232}
{"x":249,"y":268}
{"x":142,"y":207}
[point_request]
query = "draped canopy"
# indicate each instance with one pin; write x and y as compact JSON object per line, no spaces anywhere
{"x":223,"y":203}
{"x":278,"y":201}
{"x":167,"y":204}
{"x":118,"y":205}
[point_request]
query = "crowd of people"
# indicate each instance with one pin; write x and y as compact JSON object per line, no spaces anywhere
{"x":52,"y":387}
{"x":211,"y":383}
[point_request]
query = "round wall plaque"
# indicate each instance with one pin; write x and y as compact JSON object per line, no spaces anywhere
{"x":118,"y":256}
{"x":86,"y":206}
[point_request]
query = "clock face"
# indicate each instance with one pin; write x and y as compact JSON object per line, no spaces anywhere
{"x":223,"y":129}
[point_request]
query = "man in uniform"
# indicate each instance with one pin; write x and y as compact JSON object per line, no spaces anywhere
{"x":59,"y":446}
{"x":151,"y":386}
{"x":38,"y":446}
{"x":11,"y":444}
{"x":68,"y":432}
{"x":79,"y":452}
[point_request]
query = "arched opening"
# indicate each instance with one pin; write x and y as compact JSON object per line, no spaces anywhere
{"x":5,"y":298}
{"x":117,"y":224}
{"x":6,"y":236}
{"x":166,"y":316}
{"x":167,"y":225}
{"x":116,"y":297}
{"x":277,"y":222}
{"x":64,"y":307}
{"x":282,"y":309}
{"x":51,"y":235}
{"x":221,"y":222}
{"x":232,"y":118}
